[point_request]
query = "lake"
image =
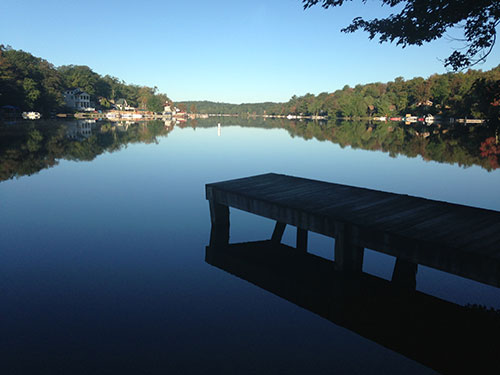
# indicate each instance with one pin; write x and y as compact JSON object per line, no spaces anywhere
{"x":104,"y":228}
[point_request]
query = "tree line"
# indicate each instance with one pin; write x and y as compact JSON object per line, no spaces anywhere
{"x":463,"y":94}
{"x":32,"y":83}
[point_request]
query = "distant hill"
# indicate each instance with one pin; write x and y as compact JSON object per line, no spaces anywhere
{"x":205,"y":106}
{"x":473,"y":93}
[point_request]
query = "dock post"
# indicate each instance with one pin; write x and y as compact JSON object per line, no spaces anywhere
{"x":348,"y":257}
{"x":301,"y":239}
{"x":219,"y":216}
{"x":405,"y":274}
{"x":279,"y":229}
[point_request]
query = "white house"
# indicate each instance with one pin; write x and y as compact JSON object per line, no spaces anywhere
{"x":122,"y":105}
{"x":77,"y":99}
{"x":166,"y":109}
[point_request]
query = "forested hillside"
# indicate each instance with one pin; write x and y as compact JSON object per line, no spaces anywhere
{"x":32,"y":83}
{"x":472,"y":93}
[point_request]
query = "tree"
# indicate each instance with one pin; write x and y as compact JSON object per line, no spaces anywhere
{"x":80,"y":76}
{"x":422,"y":21}
{"x":31,"y":92}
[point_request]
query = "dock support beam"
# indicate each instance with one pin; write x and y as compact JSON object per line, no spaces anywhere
{"x":301,"y":239}
{"x":219,"y":216}
{"x":279,"y":229}
{"x":405,"y":274}
{"x":348,"y":257}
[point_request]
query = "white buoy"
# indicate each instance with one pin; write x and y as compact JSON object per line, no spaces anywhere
{"x":218,"y":129}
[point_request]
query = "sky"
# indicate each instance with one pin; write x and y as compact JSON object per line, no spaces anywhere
{"x":220,"y":50}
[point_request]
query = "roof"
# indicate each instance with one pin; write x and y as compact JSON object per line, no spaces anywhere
{"x":77,"y":91}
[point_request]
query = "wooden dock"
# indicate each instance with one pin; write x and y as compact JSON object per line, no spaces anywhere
{"x":458,"y":239}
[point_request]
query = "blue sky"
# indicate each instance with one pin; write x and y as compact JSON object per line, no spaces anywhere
{"x":232,"y":51}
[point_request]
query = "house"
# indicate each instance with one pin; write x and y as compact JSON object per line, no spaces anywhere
{"x":167,"y":110}
{"x":122,"y":105}
{"x":77,"y":99}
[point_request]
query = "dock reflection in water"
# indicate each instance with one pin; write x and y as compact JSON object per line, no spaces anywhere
{"x":444,"y":336}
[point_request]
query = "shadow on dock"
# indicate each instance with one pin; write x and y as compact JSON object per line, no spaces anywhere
{"x":441,"y":335}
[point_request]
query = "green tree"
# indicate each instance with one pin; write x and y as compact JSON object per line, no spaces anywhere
{"x":80,"y":76}
{"x":440,"y":89}
{"x":31,"y":92}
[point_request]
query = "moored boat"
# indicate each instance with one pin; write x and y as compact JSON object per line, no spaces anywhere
{"x":31,"y":115}
{"x":429,"y":119}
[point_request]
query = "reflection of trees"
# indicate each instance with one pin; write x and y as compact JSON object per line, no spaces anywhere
{"x":27,"y":148}
{"x":445,"y":144}
{"x":490,"y":149}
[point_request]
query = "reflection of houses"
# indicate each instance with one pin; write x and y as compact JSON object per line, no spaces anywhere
{"x":168,"y":123}
{"x":80,"y":129}
{"x":77,"y":99}
{"x":425,"y":103}
{"x":123,"y":126}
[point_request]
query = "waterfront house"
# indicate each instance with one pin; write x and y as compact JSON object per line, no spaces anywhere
{"x":167,"y":110}
{"x":122,"y":105}
{"x":77,"y":99}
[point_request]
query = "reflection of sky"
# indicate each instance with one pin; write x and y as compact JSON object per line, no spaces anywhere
{"x":117,"y":245}
{"x":256,"y":151}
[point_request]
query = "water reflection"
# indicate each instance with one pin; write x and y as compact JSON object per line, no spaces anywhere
{"x":446,"y":337}
{"x":80,"y":129}
{"x":444,"y":143}
{"x":27,"y":147}
{"x":102,"y":263}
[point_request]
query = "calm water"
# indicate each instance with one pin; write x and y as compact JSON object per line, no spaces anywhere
{"x":104,"y":229}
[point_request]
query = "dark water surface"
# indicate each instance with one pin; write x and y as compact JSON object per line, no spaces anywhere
{"x":103,"y":230}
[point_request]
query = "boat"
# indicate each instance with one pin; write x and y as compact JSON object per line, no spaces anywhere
{"x":429,"y":119}
{"x":31,"y":115}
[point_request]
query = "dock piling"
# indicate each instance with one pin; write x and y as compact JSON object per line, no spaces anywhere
{"x":219,"y":216}
{"x":279,"y":229}
{"x":301,"y":239}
